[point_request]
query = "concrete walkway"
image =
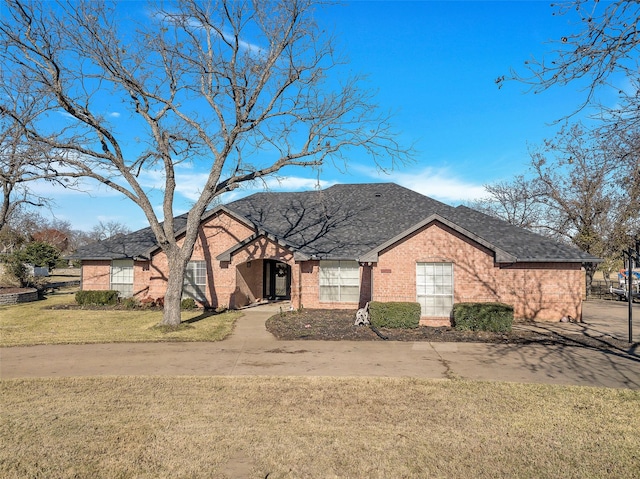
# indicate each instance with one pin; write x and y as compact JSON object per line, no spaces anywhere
{"x":252,"y":350}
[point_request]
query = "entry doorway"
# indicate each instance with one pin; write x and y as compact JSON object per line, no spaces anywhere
{"x":277,"y":280}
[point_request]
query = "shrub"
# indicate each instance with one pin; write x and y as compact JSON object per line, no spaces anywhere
{"x":188,"y":303}
{"x":100,"y":298}
{"x":496,"y":317}
{"x":39,"y":254}
{"x":130,"y":303}
{"x":394,"y":315}
{"x":15,"y":270}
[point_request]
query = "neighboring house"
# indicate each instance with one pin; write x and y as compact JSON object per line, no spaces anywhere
{"x":349,"y":244}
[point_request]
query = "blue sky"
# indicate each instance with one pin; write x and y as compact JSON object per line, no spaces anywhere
{"x":434,"y":65}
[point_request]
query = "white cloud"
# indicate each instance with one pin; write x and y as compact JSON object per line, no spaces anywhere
{"x":189,"y":185}
{"x":176,"y":18}
{"x":84,"y":186}
{"x":114,"y":114}
{"x":295,"y":183}
{"x":438,"y":183}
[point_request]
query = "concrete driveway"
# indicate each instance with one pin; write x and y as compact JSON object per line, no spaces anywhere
{"x":252,"y":350}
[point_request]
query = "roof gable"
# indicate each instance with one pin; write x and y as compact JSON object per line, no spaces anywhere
{"x":141,"y":244}
{"x":501,"y":256}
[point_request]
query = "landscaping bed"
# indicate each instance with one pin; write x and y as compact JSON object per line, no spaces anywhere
{"x":14,"y":295}
{"x":337,"y":325}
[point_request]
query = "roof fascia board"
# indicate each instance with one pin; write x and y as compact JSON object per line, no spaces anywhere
{"x":501,"y":256}
{"x":226,"y":255}
{"x":560,"y":260}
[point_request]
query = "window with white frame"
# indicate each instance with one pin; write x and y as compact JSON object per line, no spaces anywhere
{"x":122,"y":277}
{"x":340,"y":281}
{"x":434,"y":285}
{"x":195,"y":281}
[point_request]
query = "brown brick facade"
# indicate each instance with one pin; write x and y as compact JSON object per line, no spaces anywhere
{"x":540,"y":291}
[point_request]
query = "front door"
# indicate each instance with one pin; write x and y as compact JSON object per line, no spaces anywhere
{"x":277,"y":280}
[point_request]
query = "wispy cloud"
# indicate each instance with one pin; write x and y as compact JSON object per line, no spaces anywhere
{"x":114,"y":114}
{"x":439,"y":183}
{"x":176,"y":18}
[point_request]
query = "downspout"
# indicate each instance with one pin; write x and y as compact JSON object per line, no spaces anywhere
{"x":299,"y":285}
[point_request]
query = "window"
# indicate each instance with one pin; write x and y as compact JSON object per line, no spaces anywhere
{"x":434,"y":285}
{"x":122,"y":277}
{"x":340,"y":281}
{"x":195,"y":281}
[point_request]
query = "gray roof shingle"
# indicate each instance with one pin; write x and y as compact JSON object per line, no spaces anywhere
{"x":349,"y":221}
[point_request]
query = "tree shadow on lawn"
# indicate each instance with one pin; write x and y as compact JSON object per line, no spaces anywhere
{"x":207,"y":313}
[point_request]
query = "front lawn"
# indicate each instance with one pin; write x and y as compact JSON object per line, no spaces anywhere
{"x":49,"y":322}
{"x":257,"y":427}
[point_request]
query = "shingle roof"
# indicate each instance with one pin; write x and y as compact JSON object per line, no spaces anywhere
{"x":341,"y":222}
{"x":523,"y":244}
{"x":133,"y":245}
{"x":350,"y":221}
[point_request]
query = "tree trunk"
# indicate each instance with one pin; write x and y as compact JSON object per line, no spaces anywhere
{"x":590,"y":269}
{"x":173,"y":296}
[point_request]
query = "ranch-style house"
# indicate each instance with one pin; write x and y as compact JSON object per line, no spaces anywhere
{"x":346,"y":245}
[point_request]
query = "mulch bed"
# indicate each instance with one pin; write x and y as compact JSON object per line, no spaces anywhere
{"x":337,"y":325}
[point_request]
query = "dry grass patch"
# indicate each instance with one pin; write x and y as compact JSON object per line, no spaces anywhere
{"x":315,"y":428}
{"x":36,"y":323}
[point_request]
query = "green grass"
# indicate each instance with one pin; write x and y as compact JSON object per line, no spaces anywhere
{"x":314,"y":428}
{"x":36,"y":323}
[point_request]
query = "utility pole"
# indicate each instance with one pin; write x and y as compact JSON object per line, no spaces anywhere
{"x":631,"y":256}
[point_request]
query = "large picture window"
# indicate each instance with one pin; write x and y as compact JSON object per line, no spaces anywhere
{"x":434,"y":285}
{"x":122,"y":277}
{"x":340,"y":281}
{"x":195,"y":281}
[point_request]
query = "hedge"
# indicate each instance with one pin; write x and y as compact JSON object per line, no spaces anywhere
{"x":496,"y":317}
{"x":394,"y":315}
{"x":93,"y":297}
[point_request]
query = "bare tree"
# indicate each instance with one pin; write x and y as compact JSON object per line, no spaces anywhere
{"x":587,"y":193}
{"x":601,"y":49}
{"x":238,"y":88}
{"x":22,"y":160}
{"x":517,"y":202}
{"x":106,"y":230}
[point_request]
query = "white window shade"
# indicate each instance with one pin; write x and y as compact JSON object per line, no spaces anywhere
{"x":122,"y":277}
{"x":434,"y":287}
{"x":195,"y":281}
{"x":339,"y":281}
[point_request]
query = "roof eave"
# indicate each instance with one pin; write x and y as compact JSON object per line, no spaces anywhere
{"x":226,"y":255}
{"x":554,"y":260}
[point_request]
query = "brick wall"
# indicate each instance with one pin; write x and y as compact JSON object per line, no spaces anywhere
{"x":96,"y":275}
{"x":544,"y":292}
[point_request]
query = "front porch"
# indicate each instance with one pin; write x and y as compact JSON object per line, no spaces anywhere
{"x":261,"y":280}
